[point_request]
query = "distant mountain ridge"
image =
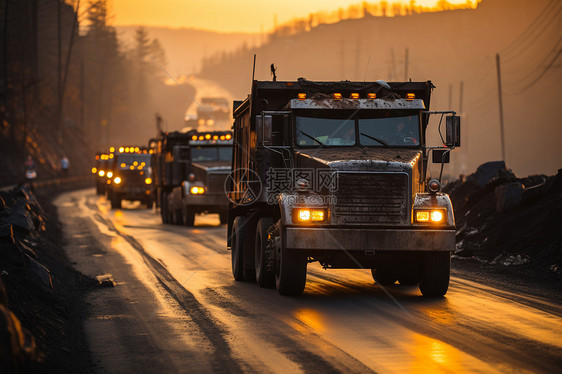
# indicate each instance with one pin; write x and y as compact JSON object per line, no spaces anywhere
{"x":185,"y":48}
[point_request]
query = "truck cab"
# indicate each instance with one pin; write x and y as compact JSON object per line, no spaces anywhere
{"x":208,"y":156}
{"x":335,"y":172}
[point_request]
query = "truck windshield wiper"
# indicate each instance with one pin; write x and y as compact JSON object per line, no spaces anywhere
{"x":313,"y":138}
{"x":375,"y":139}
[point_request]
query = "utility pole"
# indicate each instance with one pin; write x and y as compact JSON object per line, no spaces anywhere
{"x":450,"y":107}
{"x":393,"y":62}
{"x":501,"y":105}
{"x":342,"y":60}
{"x":406,"y":66}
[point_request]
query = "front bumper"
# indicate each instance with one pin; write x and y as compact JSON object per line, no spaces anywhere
{"x":370,"y":239}
{"x":204,"y":200}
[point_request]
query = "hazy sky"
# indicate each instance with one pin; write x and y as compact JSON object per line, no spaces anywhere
{"x":226,"y":15}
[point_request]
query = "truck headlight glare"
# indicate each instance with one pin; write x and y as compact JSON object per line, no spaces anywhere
{"x":101,"y":173}
{"x":309,"y":215}
{"x":430,"y":216}
{"x":116,"y":180}
{"x":109,"y":174}
{"x":196,"y":190}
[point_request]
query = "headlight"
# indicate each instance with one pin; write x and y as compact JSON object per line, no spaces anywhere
{"x":304,"y":215}
{"x":101,"y":173}
{"x":109,"y":174}
{"x":196,"y":190}
{"x":117,"y":180}
{"x":148,"y":180}
{"x":430,"y":216}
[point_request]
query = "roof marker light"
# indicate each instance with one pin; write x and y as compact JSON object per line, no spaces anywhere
{"x":228,"y":136}
{"x":208,"y":136}
{"x":337,"y":96}
{"x":354,"y":95}
{"x":194,"y":137}
{"x":371,"y":96}
{"x":302,"y":96}
{"x":410,"y":96}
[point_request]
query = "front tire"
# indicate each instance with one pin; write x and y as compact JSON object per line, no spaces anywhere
{"x":115,"y":201}
{"x":384,"y":276}
{"x":435,"y":274}
{"x":188,"y":216}
{"x":237,"y":248}
{"x":264,"y":277}
{"x":290,"y":269}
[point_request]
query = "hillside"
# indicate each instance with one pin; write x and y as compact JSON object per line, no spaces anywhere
{"x":447,"y":48}
{"x":185,"y":48}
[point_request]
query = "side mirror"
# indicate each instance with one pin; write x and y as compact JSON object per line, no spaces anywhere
{"x":440,"y":156}
{"x":453,"y":131}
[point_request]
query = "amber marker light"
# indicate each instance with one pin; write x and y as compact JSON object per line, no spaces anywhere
{"x":422,"y":216}
{"x":371,"y":96}
{"x":208,"y":136}
{"x":216,"y":137}
{"x":222,"y":137}
{"x":336,"y":96}
{"x":112,"y":149}
{"x":228,"y":136}
{"x":201,"y":137}
{"x":195,"y":190}
{"x":121,"y":149}
{"x":355,"y":95}
{"x":302,"y":96}
{"x":410,"y":96}
{"x":148,"y":180}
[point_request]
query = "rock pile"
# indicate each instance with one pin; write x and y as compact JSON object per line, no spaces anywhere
{"x":505,"y":221}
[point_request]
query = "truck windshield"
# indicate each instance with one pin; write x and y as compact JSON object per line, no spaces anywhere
{"x":207,"y":153}
{"x":374,"y":128}
{"x":394,"y":131}
{"x":325,"y":131}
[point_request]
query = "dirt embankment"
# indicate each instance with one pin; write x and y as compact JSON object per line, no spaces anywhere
{"x":508,"y":223}
{"x":42,"y":312}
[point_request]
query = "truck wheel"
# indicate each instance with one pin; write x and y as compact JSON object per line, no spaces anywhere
{"x":237,"y":250}
{"x":223,"y":217}
{"x":384,"y":276}
{"x":188,"y":216}
{"x":177,"y":217}
{"x":435,"y":274}
{"x":164,"y":207}
{"x":290,"y":270}
{"x":115,"y":201}
{"x":264,"y":277}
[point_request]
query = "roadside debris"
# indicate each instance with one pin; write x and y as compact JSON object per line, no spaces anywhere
{"x":507,"y":221}
{"x":40,"y":292}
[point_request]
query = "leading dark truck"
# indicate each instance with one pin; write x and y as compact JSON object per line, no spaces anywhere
{"x":190,"y":170}
{"x":336,"y":172}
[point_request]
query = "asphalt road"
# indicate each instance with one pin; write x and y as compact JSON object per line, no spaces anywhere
{"x":177,"y":308}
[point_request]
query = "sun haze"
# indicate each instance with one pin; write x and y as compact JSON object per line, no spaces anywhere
{"x":231,"y":15}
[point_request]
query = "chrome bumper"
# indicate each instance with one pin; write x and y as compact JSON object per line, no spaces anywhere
{"x":322,"y":238}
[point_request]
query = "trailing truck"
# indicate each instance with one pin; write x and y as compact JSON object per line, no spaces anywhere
{"x":336,"y":172}
{"x":190,"y":173}
{"x":130,"y":176}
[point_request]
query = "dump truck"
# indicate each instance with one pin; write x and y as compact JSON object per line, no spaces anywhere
{"x":336,"y":172}
{"x":190,"y":172}
{"x":131,"y":176}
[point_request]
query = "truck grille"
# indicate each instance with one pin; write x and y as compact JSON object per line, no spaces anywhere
{"x":215,"y":183}
{"x":374,"y":198}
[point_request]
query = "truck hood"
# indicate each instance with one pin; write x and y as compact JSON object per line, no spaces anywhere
{"x":372,"y":159}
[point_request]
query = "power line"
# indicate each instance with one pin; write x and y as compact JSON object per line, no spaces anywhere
{"x":541,"y":74}
{"x":528,"y":30}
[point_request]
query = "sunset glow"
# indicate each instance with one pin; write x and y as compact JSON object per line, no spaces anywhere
{"x":236,"y":16}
